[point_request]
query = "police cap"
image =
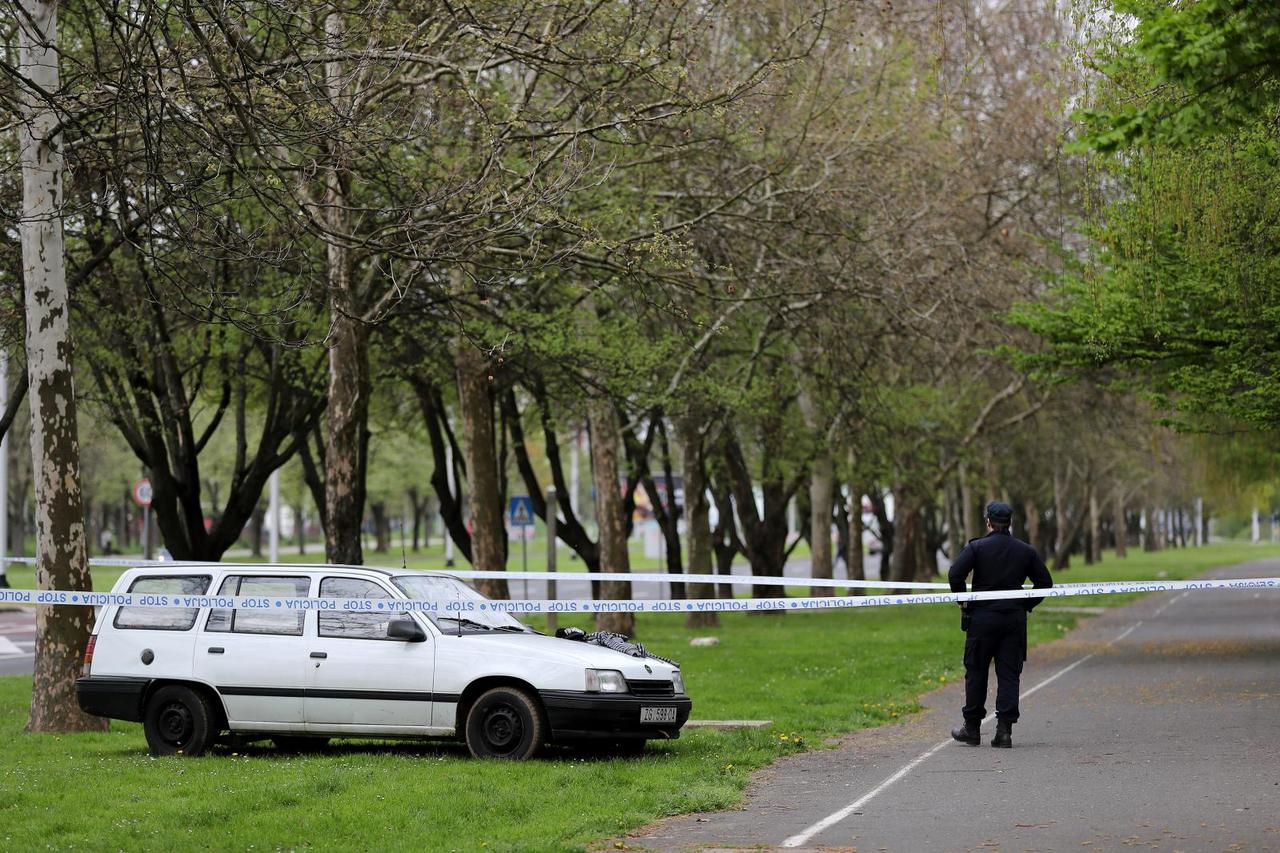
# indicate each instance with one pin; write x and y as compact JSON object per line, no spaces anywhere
{"x":999,"y":512}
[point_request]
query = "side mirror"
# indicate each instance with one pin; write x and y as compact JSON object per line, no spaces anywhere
{"x":407,"y":630}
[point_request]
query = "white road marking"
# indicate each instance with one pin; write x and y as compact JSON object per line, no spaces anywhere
{"x":801,"y":838}
{"x":9,"y":649}
{"x":1126,"y":632}
{"x":1173,"y":600}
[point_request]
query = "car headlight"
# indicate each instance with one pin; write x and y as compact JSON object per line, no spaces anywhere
{"x":677,"y":681}
{"x":606,"y":681}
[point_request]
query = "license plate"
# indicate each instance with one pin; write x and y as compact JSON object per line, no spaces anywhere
{"x":657,"y":715}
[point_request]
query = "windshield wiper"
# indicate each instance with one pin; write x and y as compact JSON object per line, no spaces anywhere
{"x":462,"y":620}
{"x":519,"y":629}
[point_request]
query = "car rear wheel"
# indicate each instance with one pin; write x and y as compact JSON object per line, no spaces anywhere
{"x":505,"y":722}
{"x":179,"y":721}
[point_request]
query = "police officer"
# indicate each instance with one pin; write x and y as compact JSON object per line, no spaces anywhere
{"x":995,"y":628}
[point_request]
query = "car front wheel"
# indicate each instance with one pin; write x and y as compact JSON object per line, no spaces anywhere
{"x":179,"y":721}
{"x":505,"y":722}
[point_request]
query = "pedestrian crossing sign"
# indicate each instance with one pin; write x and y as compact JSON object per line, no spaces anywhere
{"x":520,"y":511}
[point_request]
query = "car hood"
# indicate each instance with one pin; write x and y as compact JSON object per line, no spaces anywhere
{"x":587,"y":654}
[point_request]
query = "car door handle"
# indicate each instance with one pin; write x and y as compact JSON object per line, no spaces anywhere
{"x":319,"y":654}
{"x":216,"y":650}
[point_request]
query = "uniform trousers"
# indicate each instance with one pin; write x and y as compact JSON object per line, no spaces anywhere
{"x":999,"y":635}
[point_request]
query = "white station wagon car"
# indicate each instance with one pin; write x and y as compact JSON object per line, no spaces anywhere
{"x":301,"y":676}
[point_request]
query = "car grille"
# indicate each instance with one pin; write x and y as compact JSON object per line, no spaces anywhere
{"x":651,"y":688}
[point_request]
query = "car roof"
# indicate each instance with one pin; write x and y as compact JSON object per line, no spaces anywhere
{"x":195,"y":568}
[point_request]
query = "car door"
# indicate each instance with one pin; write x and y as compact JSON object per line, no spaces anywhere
{"x":359,"y":679}
{"x":256,"y":657}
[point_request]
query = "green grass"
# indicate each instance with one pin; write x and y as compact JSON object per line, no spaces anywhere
{"x":816,"y":675}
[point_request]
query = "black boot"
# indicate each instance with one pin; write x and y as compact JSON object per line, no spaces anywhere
{"x":968,"y":733}
{"x":1004,"y":735}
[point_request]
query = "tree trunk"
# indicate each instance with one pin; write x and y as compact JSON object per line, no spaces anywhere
{"x":300,"y":526}
{"x":1150,"y":542}
{"x":764,"y":534}
{"x":821,"y":487}
{"x":346,"y":448}
{"x":886,"y":530}
{"x":1031,"y":522}
{"x":854,"y":560}
{"x":968,"y":506}
{"x":381,"y":527}
{"x":724,"y":536}
{"x":255,"y":530}
{"x":1120,"y":523}
{"x":488,"y":533}
{"x":61,"y":557}
{"x":952,"y":512}
{"x":697,"y":514}
{"x":417,"y":507}
{"x":1061,"y":541}
{"x":614,"y":556}
{"x":662,"y":501}
{"x":417,"y":525}
{"x":907,"y":563}
{"x":1095,"y":527}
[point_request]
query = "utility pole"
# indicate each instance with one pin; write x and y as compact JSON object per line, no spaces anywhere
{"x":551,"y":554}
{"x":273,"y":512}
{"x":448,"y":474}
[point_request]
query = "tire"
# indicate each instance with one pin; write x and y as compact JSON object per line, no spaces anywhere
{"x":505,"y":722}
{"x":299,"y":743}
{"x":179,"y":721}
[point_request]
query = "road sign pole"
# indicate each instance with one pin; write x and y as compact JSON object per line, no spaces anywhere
{"x":146,"y":532}
{"x":524,"y":559}
{"x":551,"y":553}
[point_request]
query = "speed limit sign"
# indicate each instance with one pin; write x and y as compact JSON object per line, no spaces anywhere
{"x":142,"y":493}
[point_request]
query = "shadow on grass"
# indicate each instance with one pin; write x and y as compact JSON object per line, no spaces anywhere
{"x":434,"y":749}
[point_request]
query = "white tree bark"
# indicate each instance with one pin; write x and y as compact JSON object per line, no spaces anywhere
{"x":61,"y":557}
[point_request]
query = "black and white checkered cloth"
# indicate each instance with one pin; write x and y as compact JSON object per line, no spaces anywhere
{"x":610,"y":640}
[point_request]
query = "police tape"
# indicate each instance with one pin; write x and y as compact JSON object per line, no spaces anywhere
{"x":638,"y":577}
{"x":682,"y":605}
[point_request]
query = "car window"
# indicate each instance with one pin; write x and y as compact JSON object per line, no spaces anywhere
{"x":163,"y":618}
{"x":363,"y":626}
{"x":252,"y":620}
{"x":458,"y":601}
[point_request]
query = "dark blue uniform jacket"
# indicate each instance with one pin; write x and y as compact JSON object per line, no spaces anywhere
{"x":998,"y":561}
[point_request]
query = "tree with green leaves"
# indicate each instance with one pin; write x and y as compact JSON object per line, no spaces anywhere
{"x":1176,"y":291}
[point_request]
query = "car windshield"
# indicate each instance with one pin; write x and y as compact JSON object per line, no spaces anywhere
{"x":466,"y":615}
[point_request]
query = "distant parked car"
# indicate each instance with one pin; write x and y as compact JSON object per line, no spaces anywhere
{"x":196,"y":675}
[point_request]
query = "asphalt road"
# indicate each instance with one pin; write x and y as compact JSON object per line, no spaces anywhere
{"x":1154,"y":726}
{"x":17,"y":641}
